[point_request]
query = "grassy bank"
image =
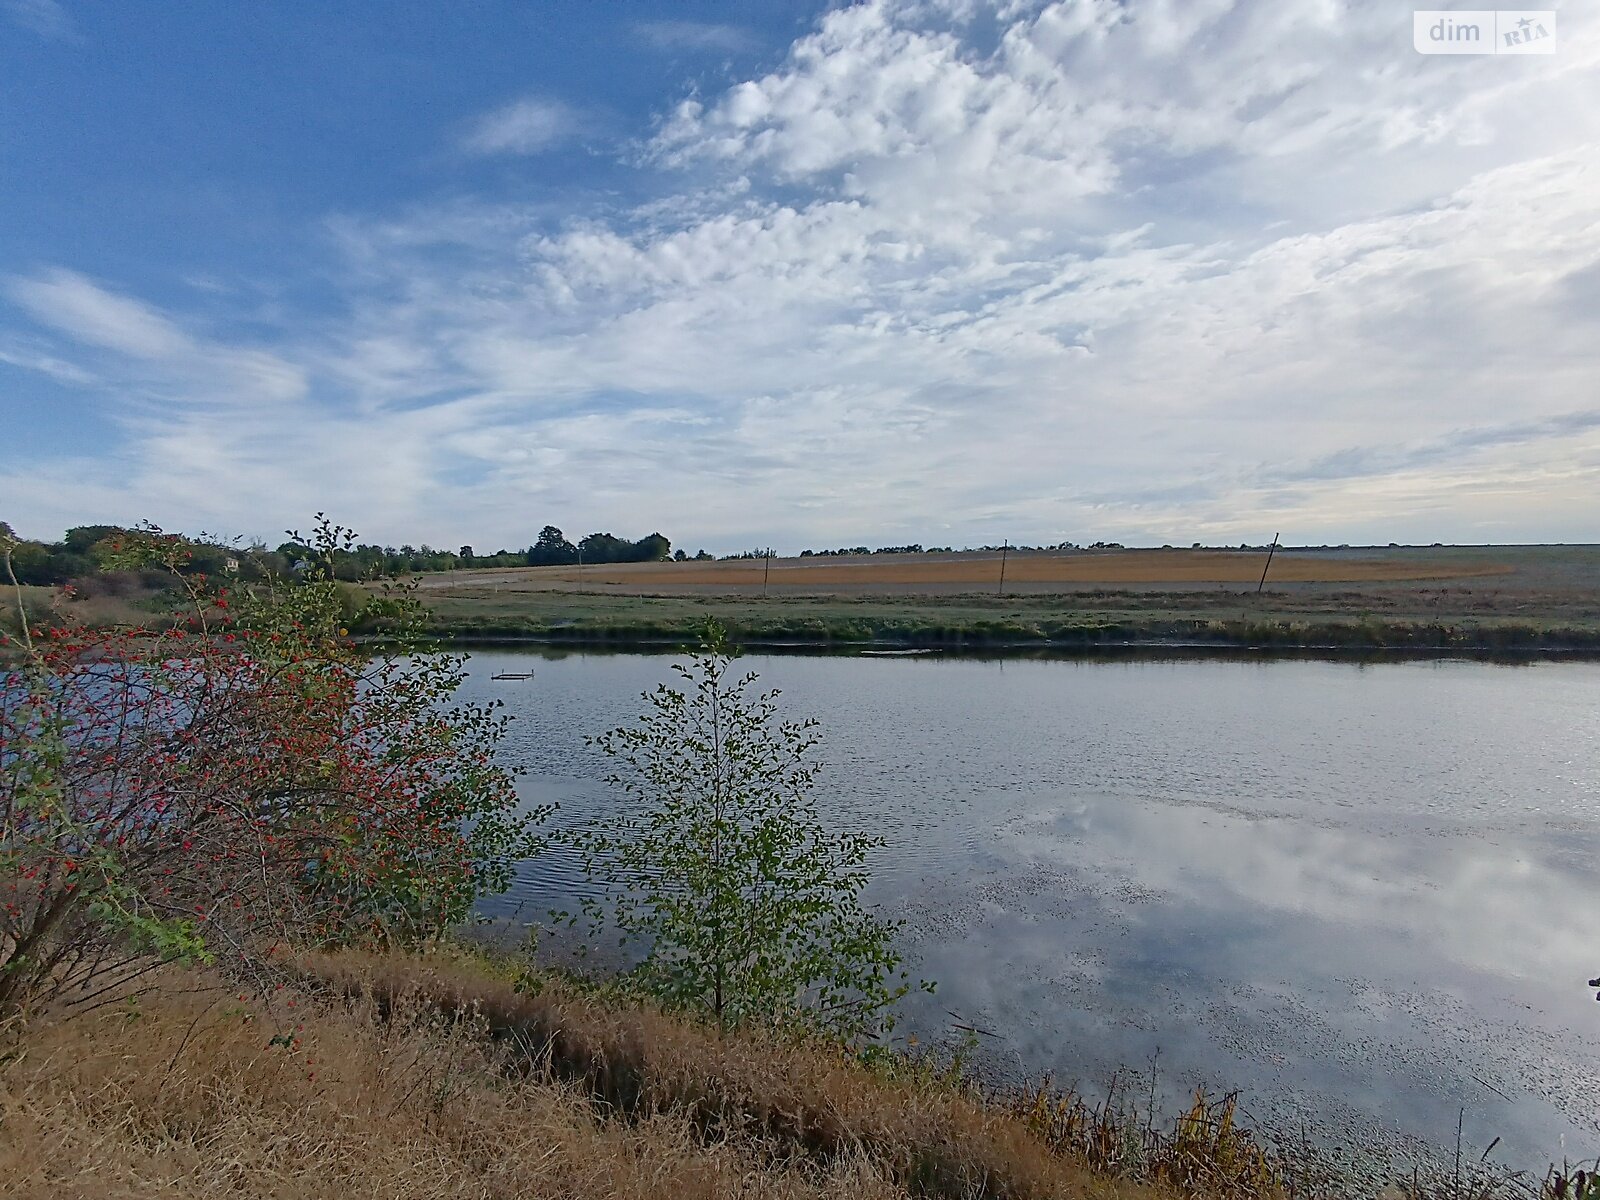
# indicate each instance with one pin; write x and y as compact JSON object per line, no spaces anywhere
{"x":1409,"y":620}
{"x":443,"y":1077}
{"x":456,"y":1076}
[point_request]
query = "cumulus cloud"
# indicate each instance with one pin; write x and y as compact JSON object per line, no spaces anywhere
{"x":1139,"y":270}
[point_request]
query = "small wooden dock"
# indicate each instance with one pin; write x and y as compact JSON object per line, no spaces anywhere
{"x":512,"y":675}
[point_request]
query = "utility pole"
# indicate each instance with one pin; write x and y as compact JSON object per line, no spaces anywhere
{"x":1004,"y":550}
{"x":1273,"y":549}
{"x":765,"y":571}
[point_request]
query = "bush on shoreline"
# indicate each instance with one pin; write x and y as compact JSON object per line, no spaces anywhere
{"x":240,"y":777}
{"x":745,"y":908}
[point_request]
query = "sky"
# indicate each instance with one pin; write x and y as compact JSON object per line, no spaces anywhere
{"x":796,"y":274}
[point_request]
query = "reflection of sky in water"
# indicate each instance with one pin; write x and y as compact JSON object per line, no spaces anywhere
{"x":1362,"y":892}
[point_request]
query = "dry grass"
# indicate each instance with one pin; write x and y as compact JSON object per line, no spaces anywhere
{"x":815,"y":1104}
{"x":37,"y":602}
{"x":449,"y":1077}
{"x":124,"y":605}
{"x":186,"y":1096}
{"x":435,"y":1080}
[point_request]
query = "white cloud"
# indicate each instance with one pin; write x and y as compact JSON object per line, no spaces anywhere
{"x":27,"y":354}
{"x":165,"y":360}
{"x":1144,"y":271}
{"x":76,"y":306}
{"x":47,"y":18}
{"x":695,"y":35}
{"x":527,"y":126}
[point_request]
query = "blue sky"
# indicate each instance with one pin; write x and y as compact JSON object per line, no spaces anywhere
{"x":796,"y":274}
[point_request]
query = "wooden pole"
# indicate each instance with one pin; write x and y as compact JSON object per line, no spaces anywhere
{"x":1273,"y":549}
{"x":1001,"y":590}
{"x":766,"y":571}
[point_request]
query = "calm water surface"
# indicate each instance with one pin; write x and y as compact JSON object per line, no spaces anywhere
{"x":1368,"y":896}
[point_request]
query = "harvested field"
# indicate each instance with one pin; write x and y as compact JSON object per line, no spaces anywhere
{"x":1430,"y":598}
{"x":981,"y":571}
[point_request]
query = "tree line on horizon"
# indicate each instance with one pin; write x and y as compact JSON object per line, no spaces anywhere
{"x":83,"y":552}
{"x":79,"y":555}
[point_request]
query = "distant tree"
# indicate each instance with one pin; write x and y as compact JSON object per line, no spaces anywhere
{"x":701,"y":556}
{"x":84,"y":538}
{"x":465,"y":555}
{"x":41,"y":564}
{"x":654,"y":548}
{"x":552,"y":549}
{"x":679,"y":556}
{"x":605,"y":548}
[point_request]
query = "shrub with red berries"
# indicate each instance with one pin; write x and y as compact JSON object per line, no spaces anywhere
{"x":238,"y":776}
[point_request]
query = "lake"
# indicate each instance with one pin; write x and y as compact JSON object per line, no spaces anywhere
{"x":1365,"y":895}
